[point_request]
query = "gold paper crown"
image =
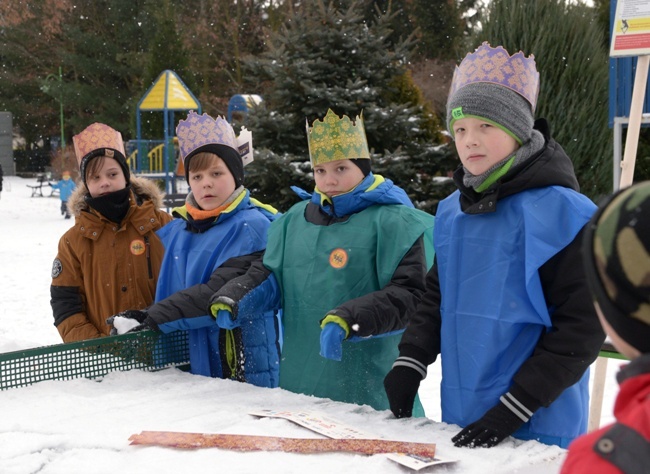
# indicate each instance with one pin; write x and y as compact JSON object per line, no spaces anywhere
{"x":495,"y":65}
{"x":95,"y":137}
{"x":335,"y":138}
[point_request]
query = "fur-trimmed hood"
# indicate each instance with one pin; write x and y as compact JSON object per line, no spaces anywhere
{"x":143,"y":188}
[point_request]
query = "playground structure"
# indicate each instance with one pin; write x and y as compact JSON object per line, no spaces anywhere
{"x":240,"y":104}
{"x":159,"y":159}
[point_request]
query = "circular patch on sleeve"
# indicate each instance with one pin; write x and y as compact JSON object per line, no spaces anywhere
{"x":57,"y":268}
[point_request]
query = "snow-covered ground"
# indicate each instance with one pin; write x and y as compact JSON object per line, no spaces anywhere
{"x":83,"y":426}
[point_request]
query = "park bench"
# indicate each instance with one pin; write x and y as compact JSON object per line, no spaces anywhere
{"x":173,"y":200}
{"x":37,"y":189}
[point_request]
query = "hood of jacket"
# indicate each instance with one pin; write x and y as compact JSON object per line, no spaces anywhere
{"x":551,"y":166}
{"x":143,"y":189}
{"x":373,"y":189}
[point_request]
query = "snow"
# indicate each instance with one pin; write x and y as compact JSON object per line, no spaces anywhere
{"x":82,"y":425}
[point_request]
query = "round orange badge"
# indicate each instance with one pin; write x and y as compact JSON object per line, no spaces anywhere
{"x":338,"y":258}
{"x":137,"y":247}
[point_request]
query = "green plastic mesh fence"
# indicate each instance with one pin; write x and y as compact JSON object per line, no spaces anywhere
{"x":144,"y":350}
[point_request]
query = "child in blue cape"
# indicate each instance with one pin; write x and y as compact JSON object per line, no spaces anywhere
{"x":507,"y":305}
{"x":216,"y":235}
{"x":346,"y":265}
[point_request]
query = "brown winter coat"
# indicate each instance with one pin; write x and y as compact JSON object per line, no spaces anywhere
{"x":101,"y":269}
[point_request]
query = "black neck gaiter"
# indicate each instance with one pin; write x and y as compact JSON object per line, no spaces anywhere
{"x":112,"y":206}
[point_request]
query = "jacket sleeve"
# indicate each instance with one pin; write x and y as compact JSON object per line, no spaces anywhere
{"x":563,"y":353}
{"x":388,"y":309}
{"x":76,"y":327}
{"x":253,"y":293}
{"x":66,"y":300}
{"x":194,"y":301}
{"x":421,"y":339}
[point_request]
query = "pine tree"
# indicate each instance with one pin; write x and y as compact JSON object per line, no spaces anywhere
{"x":102,"y":59}
{"x":327,"y":57}
{"x":166,"y":51}
{"x":29,"y":41}
{"x":573,"y":65}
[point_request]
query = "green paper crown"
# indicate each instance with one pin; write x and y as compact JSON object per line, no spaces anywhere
{"x":335,"y":138}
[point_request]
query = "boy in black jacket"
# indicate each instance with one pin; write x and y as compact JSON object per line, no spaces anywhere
{"x":506,"y":305}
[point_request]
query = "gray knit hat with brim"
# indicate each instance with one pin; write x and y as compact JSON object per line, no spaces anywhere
{"x":493,"y":103}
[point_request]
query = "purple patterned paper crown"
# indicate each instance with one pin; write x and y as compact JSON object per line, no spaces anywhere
{"x":198,"y":130}
{"x":495,"y":65}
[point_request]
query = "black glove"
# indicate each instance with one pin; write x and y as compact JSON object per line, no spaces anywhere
{"x":498,"y":422}
{"x":402,"y":384}
{"x":136,"y":315}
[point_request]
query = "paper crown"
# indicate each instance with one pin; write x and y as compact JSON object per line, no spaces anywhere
{"x":495,"y":65}
{"x":199,"y":130}
{"x":95,"y":137}
{"x":335,"y":138}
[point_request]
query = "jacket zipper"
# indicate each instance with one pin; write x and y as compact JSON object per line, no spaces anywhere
{"x":148,"y":254}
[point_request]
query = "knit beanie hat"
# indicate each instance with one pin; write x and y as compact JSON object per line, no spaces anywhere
{"x":491,"y":85}
{"x":492,"y":103}
{"x":230,"y":157}
{"x":363,"y":164}
{"x":617,"y":262}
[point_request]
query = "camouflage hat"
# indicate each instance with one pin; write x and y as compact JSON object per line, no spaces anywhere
{"x":617,"y":260}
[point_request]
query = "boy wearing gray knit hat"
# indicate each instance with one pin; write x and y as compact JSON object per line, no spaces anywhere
{"x":617,"y":260}
{"x":507,"y":304}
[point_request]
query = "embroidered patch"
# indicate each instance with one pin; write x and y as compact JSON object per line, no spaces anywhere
{"x":338,"y":258}
{"x":457,"y":113}
{"x":57,"y":268}
{"x":137,"y":247}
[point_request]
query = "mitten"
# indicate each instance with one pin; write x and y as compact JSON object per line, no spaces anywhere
{"x":128,"y":321}
{"x":402,"y":383}
{"x":223,"y":314}
{"x":498,"y":422}
{"x":334,"y":331}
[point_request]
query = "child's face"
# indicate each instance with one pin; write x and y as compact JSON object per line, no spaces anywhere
{"x":213,"y":185}
{"x":481,"y":145}
{"x":108,"y":177}
{"x":337,"y":177}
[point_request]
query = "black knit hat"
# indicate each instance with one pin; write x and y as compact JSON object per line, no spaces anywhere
{"x":364,"y":165}
{"x":617,"y":263}
{"x":108,"y":153}
{"x":230,"y":157}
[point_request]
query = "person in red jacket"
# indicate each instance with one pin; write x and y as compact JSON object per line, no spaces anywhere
{"x":617,"y":260}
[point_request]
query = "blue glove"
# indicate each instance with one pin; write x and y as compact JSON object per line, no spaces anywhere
{"x":331,"y":341}
{"x":223,"y":314}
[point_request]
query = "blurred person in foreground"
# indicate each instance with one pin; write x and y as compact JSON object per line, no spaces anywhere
{"x":617,"y":261}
